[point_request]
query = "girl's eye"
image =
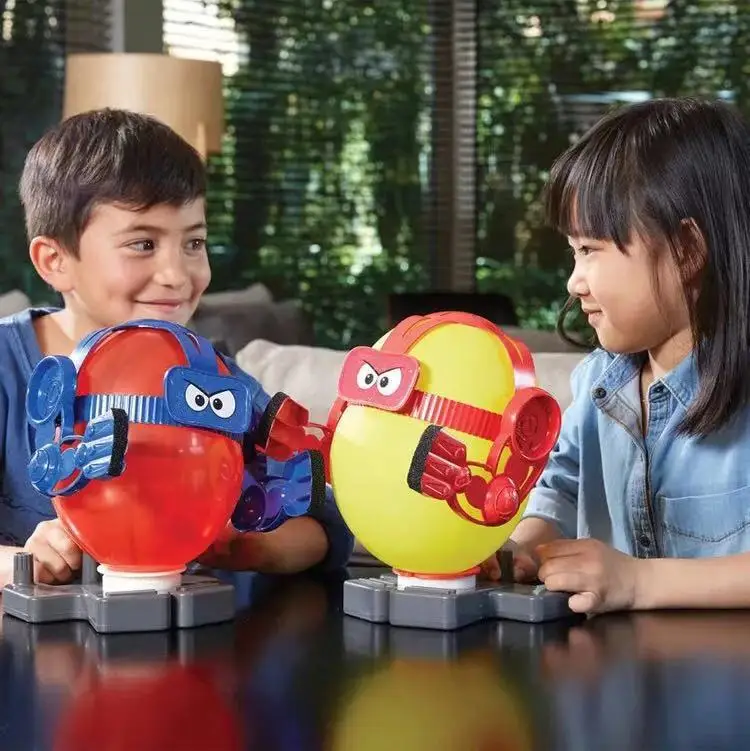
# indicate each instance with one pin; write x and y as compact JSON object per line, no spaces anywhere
{"x":142,"y":246}
{"x":582,"y":250}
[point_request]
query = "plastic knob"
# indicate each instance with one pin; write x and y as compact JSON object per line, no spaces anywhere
{"x":23,"y":569}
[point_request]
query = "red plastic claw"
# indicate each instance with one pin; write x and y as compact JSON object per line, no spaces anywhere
{"x":281,"y":432}
{"x":438,"y":468}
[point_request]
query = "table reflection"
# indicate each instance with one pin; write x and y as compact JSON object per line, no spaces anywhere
{"x":420,"y":689}
{"x":651,"y":681}
{"x":293,"y":673}
{"x":223,"y":687}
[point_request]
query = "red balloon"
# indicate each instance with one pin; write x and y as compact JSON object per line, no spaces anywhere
{"x":180,"y":484}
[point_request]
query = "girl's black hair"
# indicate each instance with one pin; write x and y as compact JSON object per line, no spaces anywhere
{"x":677,"y":171}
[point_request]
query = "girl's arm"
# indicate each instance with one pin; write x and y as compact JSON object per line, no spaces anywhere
{"x":693,"y":582}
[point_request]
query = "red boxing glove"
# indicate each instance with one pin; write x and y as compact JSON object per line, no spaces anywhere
{"x":440,"y":470}
{"x":282,"y":431}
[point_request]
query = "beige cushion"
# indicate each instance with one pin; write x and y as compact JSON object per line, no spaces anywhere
{"x":13,"y":302}
{"x":310,"y":374}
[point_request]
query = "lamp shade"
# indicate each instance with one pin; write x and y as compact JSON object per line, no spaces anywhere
{"x":185,"y":94}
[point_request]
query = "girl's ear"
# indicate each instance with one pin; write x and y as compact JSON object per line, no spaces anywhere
{"x":52,"y":262}
{"x":694,"y":252}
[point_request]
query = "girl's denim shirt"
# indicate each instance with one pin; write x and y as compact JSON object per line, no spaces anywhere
{"x":665,"y":495}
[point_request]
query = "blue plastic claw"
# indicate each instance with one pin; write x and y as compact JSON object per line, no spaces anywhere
{"x":99,"y":454}
{"x":274,"y":491}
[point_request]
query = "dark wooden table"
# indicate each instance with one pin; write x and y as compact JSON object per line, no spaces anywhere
{"x":293,"y":673}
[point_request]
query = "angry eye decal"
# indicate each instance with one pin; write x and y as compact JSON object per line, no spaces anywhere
{"x":215,"y":402}
{"x":223,"y":404}
{"x":387,"y":383}
{"x":390,"y":381}
{"x":366,"y":376}
{"x":378,"y":379}
{"x":195,"y":398}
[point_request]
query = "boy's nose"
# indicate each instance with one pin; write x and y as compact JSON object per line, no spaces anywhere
{"x":172,"y":271}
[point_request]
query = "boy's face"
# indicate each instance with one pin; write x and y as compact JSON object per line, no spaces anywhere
{"x":139,"y":264}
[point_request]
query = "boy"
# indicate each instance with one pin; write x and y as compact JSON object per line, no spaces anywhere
{"x":115,"y":214}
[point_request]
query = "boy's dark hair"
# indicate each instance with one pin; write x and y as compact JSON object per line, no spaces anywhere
{"x":663,"y":169}
{"x":105,"y":156}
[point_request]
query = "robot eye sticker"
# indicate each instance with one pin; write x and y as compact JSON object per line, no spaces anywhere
{"x":378,"y":379}
{"x":215,"y":402}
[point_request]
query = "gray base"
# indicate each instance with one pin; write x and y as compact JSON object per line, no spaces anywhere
{"x":379,"y":601}
{"x":200,"y":600}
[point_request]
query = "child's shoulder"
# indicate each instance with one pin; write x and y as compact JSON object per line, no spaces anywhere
{"x":19,"y":350}
{"x":15,"y":329}
{"x":591,"y":368}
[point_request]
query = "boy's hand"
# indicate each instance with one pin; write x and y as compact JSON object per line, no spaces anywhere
{"x":601,"y":578}
{"x":235,"y":551}
{"x":524,"y":564}
{"x":56,"y":557}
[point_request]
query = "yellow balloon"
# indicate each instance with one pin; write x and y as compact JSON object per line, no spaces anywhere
{"x":441,"y":706}
{"x":372,"y":450}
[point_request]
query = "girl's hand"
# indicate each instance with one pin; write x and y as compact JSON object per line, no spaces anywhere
{"x":601,"y":578}
{"x":524,"y":564}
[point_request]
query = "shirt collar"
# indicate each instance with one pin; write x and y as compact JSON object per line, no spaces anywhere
{"x":682,"y":380}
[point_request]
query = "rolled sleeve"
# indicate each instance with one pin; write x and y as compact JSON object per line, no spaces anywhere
{"x":555,"y":497}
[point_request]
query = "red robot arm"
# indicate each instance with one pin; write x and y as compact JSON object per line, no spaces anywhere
{"x":440,"y":469}
{"x":282,"y":431}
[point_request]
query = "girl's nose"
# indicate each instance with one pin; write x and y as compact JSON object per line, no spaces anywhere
{"x":577,"y":285}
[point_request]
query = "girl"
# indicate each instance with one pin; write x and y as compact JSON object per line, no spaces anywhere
{"x":645,"y":502}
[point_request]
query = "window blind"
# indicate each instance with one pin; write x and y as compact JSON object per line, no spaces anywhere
{"x":334,"y":185}
{"x":34,"y":39}
{"x":546,"y":71}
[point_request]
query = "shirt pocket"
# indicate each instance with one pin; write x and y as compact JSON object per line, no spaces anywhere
{"x":704,"y":525}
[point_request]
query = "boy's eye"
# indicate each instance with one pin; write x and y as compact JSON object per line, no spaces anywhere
{"x":197,"y":243}
{"x":142,"y":246}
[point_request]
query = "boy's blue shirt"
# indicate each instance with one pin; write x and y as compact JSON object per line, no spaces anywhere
{"x":21,"y":506}
{"x":665,"y":495}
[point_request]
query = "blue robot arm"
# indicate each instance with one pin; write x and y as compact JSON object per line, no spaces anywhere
{"x":98,"y":454}
{"x":274,"y":491}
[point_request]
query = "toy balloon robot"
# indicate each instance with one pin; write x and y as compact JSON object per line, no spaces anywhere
{"x":433,"y":445}
{"x":148,"y":445}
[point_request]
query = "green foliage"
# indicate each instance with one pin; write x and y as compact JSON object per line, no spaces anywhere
{"x":30,"y":101}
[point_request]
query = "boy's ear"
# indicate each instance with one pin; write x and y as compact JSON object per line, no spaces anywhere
{"x":52,"y":262}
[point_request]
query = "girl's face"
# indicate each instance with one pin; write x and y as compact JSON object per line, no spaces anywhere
{"x":633,"y":306}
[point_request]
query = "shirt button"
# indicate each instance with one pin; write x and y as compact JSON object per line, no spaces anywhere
{"x":599,"y":392}
{"x":645,"y":541}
